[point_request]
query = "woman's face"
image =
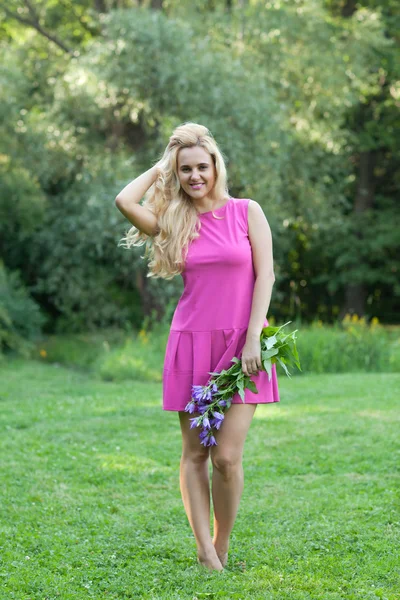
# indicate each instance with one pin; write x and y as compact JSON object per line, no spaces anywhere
{"x":196,"y":172}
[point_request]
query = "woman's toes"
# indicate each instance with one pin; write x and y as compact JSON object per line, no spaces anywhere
{"x":212,"y":563}
{"x":223,"y":558}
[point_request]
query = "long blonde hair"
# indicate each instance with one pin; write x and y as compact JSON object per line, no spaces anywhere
{"x":177,"y":217}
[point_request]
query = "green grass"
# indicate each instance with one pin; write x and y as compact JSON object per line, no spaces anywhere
{"x":91,"y":506}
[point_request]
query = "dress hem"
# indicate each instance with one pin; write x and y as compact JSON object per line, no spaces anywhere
{"x":249,"y":402}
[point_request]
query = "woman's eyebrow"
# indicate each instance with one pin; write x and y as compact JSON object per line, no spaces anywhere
{"x":199,"y":165}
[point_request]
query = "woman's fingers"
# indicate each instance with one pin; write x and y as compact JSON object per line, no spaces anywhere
{"x":250,"y":368}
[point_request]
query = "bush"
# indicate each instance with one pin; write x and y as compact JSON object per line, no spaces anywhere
{"x":21,"y":321}
{"x":352,"y":345}
{"x":140,"y":358}
{"x":80,"y":350}
{"x":114,"y":354}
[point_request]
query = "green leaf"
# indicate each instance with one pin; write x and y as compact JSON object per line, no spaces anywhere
{"x":269,"y":353}
{"x":240,"y":385}
{"x":282,"y":326}
{"x":269,"y":342}
{"x":252,"y":386}
{"x":267,"y":367}
{"x":283,"y":366}
{"x":296,"y":356}
{"x":268,"y":331}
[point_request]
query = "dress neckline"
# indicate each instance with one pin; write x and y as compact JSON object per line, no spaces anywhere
{"x":215,"y":210}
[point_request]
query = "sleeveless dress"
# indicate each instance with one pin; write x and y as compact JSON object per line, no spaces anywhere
{"x":210,"y":321}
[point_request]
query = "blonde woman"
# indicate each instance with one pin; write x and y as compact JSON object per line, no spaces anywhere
{"x":222,"y":248}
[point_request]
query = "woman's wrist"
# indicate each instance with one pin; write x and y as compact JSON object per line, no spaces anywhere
{"x":252,"y":335}
{"x":137,"y":188}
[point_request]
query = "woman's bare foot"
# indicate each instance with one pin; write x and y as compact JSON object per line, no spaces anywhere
{"x":210,"y":560}
{"x":222,"y":553}
{"x":223,"y":558}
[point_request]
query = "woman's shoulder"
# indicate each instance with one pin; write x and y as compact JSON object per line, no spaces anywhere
{"x":244,"y":201}
{"x":247,"y":203}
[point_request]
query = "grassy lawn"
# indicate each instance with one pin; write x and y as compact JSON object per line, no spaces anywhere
{"x":91,"y":506}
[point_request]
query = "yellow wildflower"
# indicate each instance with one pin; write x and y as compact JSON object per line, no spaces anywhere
{"x":143,"y":336}
{"x":374,"y":322}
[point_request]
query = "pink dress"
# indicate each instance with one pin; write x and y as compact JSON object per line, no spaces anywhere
{"x":211,"y":318}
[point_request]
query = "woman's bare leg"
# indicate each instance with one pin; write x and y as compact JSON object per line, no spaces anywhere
{"x":195,"y":490}
{"x":227,"y":478}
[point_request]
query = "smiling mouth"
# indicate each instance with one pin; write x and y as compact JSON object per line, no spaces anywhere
{"x":196,"y":185}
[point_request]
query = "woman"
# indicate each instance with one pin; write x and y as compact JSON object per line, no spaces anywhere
{"x":222,"y":247}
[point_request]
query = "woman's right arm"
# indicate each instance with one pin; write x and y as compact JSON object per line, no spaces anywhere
{"x":127,"y":202}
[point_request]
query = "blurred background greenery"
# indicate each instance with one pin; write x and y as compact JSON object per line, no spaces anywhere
{"x":303,"y":98}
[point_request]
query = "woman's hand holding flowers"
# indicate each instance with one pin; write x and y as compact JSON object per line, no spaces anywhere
{"x":251,"y":356}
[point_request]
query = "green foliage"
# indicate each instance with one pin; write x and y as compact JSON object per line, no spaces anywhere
{"x":61,"y":227}
{"x":351,"y":347}
{"x":118,"y":355}
{"x":360,"y":259}
{"x":293,"y":92}
{"x":79,"y":350}
{"x":136,"y":360}
{"x":79,"y":263}
{"x":113,"y":354}
{"x":141,"y":355}
{"x":233,"y":108}
{"x":21,"y":319}
{"x":67,"y":24}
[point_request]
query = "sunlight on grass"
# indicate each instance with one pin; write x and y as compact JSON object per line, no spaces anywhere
{"x":131,"y":464}
{"x":264,"y":411}
{"x":134,"y":404}
{"x":381,"y":415}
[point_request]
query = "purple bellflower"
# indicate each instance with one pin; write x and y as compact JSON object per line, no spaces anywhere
{"x":211,"y":401}
{"x":207,"y":403}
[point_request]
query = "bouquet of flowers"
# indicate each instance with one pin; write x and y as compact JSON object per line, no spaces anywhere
{"x":214,"y":399}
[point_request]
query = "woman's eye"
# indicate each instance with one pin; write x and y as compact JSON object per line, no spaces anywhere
{"x":185,"y":169}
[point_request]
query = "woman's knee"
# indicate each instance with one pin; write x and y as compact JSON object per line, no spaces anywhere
{"x":226,"y":463}
{"x":195,"y":456}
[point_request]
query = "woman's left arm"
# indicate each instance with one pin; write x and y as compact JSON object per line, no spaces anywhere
{"x":261,"y":243}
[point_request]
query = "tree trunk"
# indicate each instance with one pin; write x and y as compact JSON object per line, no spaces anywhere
{"x":349,"y":8}
{"x":100,"y":6}
{"x":148,"y":301}
{"x":356,"y":293}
